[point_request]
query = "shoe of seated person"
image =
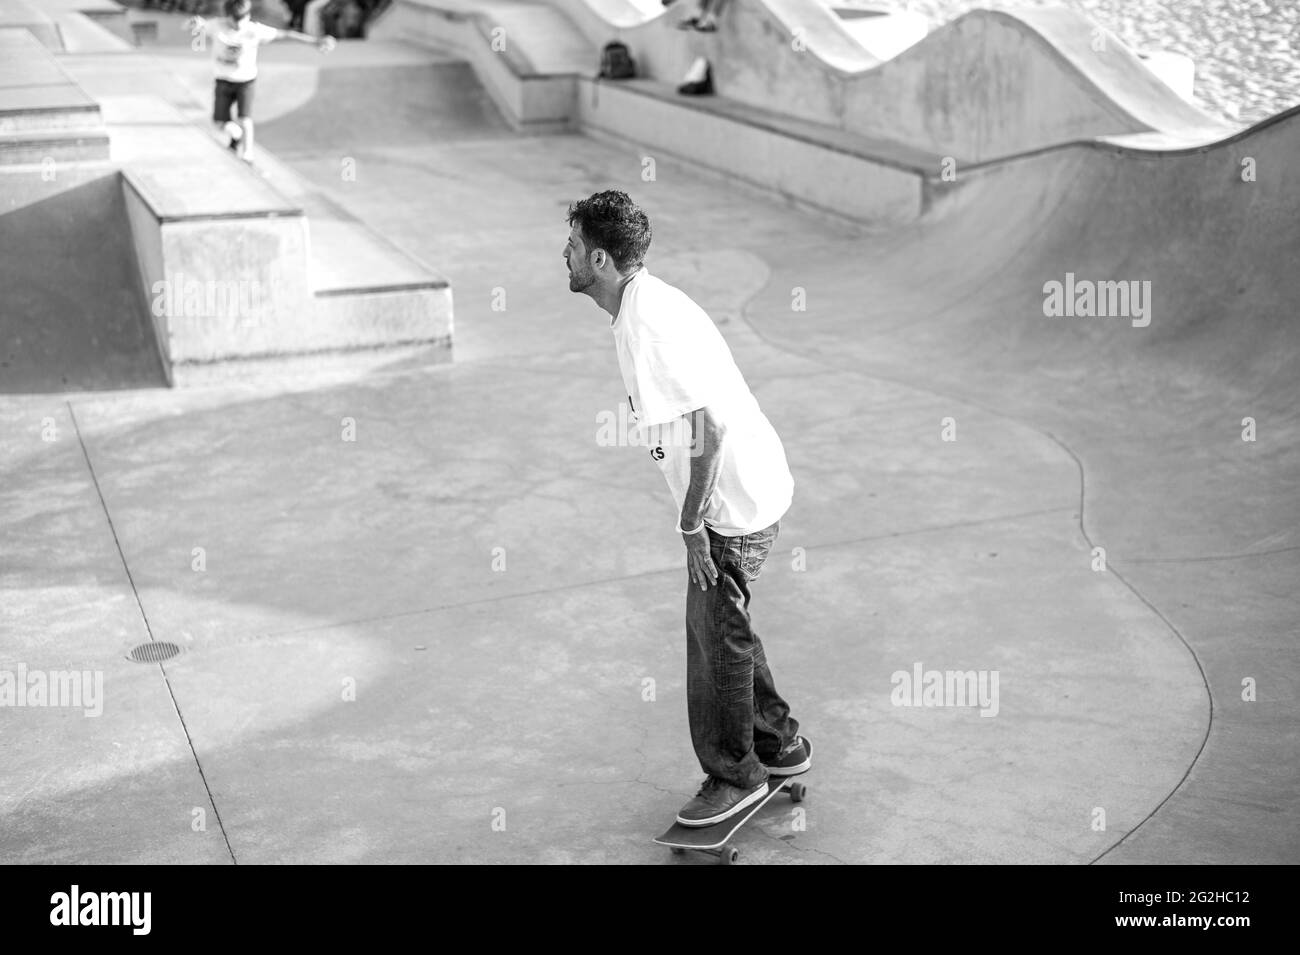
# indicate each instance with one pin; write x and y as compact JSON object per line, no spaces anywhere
{"x":698,"y":87}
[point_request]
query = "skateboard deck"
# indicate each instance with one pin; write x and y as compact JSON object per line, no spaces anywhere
{"x":713,"y":839}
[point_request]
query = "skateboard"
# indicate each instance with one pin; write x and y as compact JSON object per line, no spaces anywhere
{"x":714,"y":839}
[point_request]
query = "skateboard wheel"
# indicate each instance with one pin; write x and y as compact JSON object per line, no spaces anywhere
{"x":678,"y":851}
{"x":797,"y":792}
{"x":729,"y":856}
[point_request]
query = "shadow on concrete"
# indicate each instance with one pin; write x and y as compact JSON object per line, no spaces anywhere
{"x":73,"y":315}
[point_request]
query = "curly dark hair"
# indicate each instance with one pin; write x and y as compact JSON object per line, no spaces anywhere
{"x":611,"y":221}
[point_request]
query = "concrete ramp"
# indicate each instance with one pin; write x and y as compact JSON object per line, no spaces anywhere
{"x":1213,"y":230}
{"x":374,"y":93}
{"x":1206,"y":236}
{"x":1183,"y":422}
{"x":72,"y":316}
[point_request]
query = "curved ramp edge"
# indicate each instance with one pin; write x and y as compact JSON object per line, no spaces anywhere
{"x":985,"y":85}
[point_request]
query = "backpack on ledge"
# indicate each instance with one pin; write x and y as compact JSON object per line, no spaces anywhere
{"x":616,"y":62}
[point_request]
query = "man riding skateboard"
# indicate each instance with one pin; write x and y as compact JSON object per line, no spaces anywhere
{"x":728,"y":475}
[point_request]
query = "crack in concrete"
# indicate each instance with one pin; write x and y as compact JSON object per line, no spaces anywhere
{"x":640,"y":751}
{"x":794,"y":844}
{"x":1133,"y":589}
{"x":149,"y":630}
{"x":1211,"y":557}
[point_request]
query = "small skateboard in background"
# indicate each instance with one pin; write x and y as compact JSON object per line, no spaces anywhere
{"x":715,"y":839}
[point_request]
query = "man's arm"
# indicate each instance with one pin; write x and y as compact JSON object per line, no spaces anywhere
{"x":707,"y":436}
{"x":707,"y":433}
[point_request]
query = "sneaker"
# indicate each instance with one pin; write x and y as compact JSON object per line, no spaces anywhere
{"x":718,"y":800}
{"x":793,"y":760}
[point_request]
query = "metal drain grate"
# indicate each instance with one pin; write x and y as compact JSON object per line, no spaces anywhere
{"x":154,"y":652}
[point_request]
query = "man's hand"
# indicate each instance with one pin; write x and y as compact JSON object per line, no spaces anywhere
{"x":699,"y":562}
{"x":326,"y":43}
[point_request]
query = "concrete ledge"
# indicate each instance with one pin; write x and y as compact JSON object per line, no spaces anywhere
{"x":383,"y":317}
{"x":532,"y":85}
{"x":82,"y":34}
{"x":233,"y":268}
{"x":109,"y":16}
{"x":219,"y":287}
{"x":309,"y":369}
{"x":147,"y":239}
{"x":368,"y":293}
{"x":224,"y":256}
{"x":348,"y":257}
{"x":765,"y":150}
{"x":20,"y":64}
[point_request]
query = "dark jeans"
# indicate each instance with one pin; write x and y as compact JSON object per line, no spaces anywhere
{"x":737,"y":718}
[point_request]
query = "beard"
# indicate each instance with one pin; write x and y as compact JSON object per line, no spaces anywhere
{"x":581,"y":281}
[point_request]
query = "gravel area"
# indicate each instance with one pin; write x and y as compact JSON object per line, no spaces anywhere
{"x":1247,"y":52}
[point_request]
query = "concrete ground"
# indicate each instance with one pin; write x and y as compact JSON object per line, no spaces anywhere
{"x":459,"y":638}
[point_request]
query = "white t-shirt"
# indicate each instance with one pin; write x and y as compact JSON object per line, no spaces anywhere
{"x":234,"y":51}
{"x":674,"y":361}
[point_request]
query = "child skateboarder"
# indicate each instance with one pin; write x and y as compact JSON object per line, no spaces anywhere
{"x":235,"y":39}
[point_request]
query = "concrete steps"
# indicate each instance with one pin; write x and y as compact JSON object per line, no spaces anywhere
{"x":53,"y":146}
{"x":41,"y":110}
{"x":44,"y":115}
